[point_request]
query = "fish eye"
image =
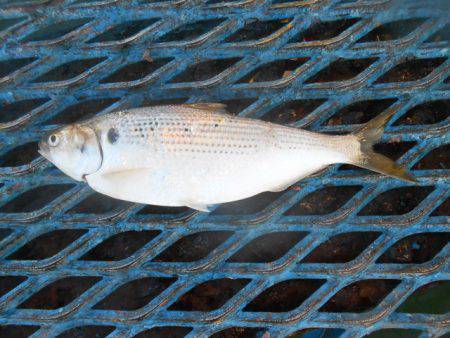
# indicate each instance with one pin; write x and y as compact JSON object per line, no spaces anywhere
{"x":53,"y":140}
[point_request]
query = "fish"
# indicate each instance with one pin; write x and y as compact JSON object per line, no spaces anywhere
{"x":198,"y":155}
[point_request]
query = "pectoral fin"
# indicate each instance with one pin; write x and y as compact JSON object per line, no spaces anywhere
{"x":199,"y":207}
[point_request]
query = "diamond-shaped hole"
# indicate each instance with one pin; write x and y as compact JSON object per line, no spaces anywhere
{"x":165,"y":331}
{"x":256,"y":29}
{"x":236,"y":106}
{"x":81,"y":110}
{"x":204,"y":70}
{"x":426,"y":113}
{"x":416,"y":249}
{"x":56,"y":30}
{"x":324,"y":201}
{"x":443,"y":209}
{"x":324,"y":30}
{"x":322,"y":333}
{"x":123,"y":30}
{"x":284,"y":296}
{"x":97,"y":331}
{"x":268,"y":247}
{"x":292,"y":111}
{"x":4,"y":232}
{"x":47,"y":245}
{"x":11,"y":111}
{"x":193,"y":247}
{"x":395,"y":333}
{"x":273,"y":71}
{"x":18,"y":331}
{"x":431,"y":298}
{"x":135,"y":71}
{"x":135,"y":294}
{"x":120,"y":246}
{"x":68,"y":70}
{"x":146,"y":102}
{"x":36,"y":198}
{"x":210,"y":295}
{"x":6,"y":23}
{"x":59,"y":293}
{"x":98,"y":204}
{"x":438,"y":158}
{"x":10,"y":66}
{"x":411,"y":70}
{"x":239,"y":332}
{"x":392,"y":30}
{"x":342,"y":248}
{"x":398,"y":201}
{"x":441,"y":35}
{"x":359,"y":112}
{"x":190,"y":30}
{"x":8,"y":283}
{"x":248,"y":206}
{"x":159,"y":210}
{"x":341,"y":70}
{"x":21,"y":155}
{"x":360,"y":296}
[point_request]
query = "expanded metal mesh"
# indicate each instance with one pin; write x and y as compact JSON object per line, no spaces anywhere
{"x":343,"y":253}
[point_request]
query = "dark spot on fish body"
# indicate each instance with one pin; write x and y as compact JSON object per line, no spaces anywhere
{"x":113,"y":135}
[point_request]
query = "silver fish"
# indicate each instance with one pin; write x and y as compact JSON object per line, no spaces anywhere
{"x":197,"y":155}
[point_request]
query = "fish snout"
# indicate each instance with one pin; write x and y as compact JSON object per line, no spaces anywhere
{"x":43,"y":148}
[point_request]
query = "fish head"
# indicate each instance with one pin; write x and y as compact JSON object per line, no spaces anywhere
{"x":74,"y":149}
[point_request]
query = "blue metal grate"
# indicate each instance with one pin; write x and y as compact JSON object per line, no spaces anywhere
{"x":344,"y":253}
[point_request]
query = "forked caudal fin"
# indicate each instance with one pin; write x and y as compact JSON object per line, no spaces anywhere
{"x":367,"y":136}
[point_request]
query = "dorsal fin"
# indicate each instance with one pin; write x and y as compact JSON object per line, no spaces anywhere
{"x":211,"y":107}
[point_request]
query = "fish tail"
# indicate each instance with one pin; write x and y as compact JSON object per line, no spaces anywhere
{"x":367,"y":158}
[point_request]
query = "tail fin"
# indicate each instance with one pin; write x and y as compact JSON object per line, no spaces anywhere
{"x":369,"y":134}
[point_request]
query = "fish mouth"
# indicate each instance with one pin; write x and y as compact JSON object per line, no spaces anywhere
{"x":43,"y":149}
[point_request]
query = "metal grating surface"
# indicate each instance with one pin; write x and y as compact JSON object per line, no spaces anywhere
{"x":345,"y":253}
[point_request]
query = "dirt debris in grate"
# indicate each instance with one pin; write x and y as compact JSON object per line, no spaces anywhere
{"x":164,"y":331}
{"x":273,"y":71}
{"x":68,"y":70}
{"x":123,"y":31}
{"x":428,"y":298}
{"x":11,"y":65}
{"x":441,"y":35}
{"x":341,"y":70}
{"x":20,"y":155}
{"x":239,"y":332}
{"x":443,"y":209}
{"x":319,"y":332}
{"x":248,"y":206}
{"x":284,"y":296}
{"x":360,"y":296}
{"x":395,"y":333}
{"x":204,"y":70}
{"x":359,"y":112}
{"x":209,"y":295}
{"x":257,"y":29}
{"x":193,"y":247}
{"x":81,"y":110}
{"x":292,"y":111}
{"x":268,"y":247}
{"x":11,"y":111}
{"x":97,"y":331}
{"x":392,"y":30}
{"x":324,"y":200}
{"x":190,"y":30}
{"x":97,"y":204}
{"x":411,"y":70}
{"x":436,"y":159}
{"x":397,"y":201}
{"x":47,"y":245}
{"x":323,"y":30}
{"x":9,"y":22}
{"x":8,"y":283}
{"x":135,"y":71}
{"x":59,"y":293}
{"x":135,"y":294}
{"x":35,"y":199}
{"x":429,"y":112}
{"x":120,"y":246}
{"x":56,"y":30}
{"x":415,"y":249}
{"x":18,"y":331}
{"x":342,"y":248}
